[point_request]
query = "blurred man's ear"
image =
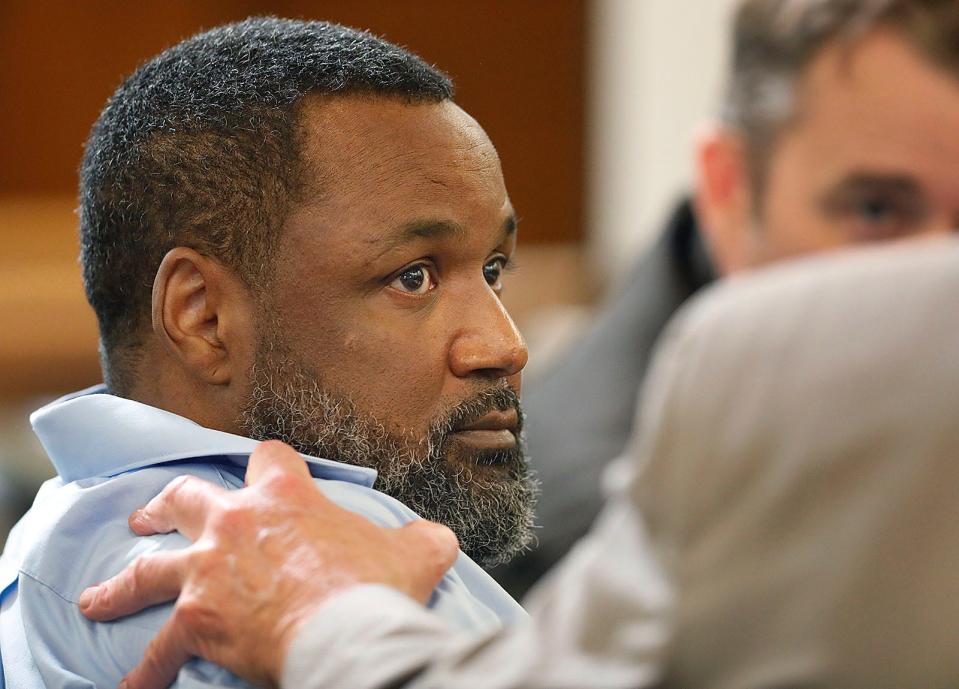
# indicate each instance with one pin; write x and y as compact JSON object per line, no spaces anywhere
{"x":723,"y":197}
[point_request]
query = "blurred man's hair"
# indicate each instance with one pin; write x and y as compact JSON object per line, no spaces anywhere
{"x":775,"y":40}
{"x":201,"y":147}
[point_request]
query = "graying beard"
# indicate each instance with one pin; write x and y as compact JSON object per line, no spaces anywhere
{"x":492,"y":517}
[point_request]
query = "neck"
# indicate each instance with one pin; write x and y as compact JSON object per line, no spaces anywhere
{"x":161,"y":383}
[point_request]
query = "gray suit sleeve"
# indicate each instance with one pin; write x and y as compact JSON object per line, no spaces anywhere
{"x":593,"y":625}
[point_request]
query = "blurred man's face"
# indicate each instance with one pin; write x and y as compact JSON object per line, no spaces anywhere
{"x":384,"y":341}
{"x":872,"y":154}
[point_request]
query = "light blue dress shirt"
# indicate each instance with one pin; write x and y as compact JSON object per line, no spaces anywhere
{"x":112,"y":456}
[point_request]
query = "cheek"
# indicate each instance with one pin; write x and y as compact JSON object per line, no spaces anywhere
{"x":792,"y":222}
{"x":390,"y":363}
{"x":395,"y":373}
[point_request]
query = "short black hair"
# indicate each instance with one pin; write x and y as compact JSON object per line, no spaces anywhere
{"x":200,"y":147}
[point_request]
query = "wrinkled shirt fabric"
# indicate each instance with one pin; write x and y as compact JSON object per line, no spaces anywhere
{"x":112,"y":455}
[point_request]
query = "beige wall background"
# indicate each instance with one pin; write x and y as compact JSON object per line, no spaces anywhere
{"x":655,"y":76}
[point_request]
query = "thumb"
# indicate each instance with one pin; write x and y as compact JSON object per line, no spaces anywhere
{"x":432,"y":549}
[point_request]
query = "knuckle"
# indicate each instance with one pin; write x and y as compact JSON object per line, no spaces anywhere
{"x":177,"y":486}
{"x":439,"y":544}
{"x":233,"y":519}
{"x":205,"y":559}
{"x":191,"y":614}
{"x":167,"y":499}
{"x":283,"y":483}
{"x":139,"y":573}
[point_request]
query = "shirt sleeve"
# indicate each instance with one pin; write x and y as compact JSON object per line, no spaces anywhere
{"x":78,"y":536}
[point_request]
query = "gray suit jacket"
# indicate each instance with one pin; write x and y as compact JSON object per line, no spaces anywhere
{"x":788,"y":515}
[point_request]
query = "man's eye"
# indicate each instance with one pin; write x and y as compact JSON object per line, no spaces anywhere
{"x":878,"y":212}
{"x":414,"y":280}
{"x":881,"y":217}
{"x":493,"y":272}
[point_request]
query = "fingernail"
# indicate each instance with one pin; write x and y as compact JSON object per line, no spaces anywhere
{"x":123,"y":684}
{"x":86,"y":598}
{"x":136,"y":521}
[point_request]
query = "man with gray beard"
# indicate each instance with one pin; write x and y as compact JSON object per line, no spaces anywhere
{"x":288,"y":231}
{"x":491,"y":517}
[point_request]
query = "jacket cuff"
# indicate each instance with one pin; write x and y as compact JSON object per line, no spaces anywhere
{"x":369,"y":636}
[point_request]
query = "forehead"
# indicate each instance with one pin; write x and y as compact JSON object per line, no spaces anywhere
{"x":381,"y":153}
{"x":879,"y":104}
{"x":377,"y":167}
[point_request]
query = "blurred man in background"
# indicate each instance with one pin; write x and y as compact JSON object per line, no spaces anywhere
{"x":838,"y":128}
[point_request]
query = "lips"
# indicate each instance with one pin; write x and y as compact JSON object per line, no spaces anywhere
{"x":494,"y":430}
{"x":496,"y":420}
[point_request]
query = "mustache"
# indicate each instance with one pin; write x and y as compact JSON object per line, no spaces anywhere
{"x":501,"y":398}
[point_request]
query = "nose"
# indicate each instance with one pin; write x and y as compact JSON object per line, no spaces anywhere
{"x":487,"y":344}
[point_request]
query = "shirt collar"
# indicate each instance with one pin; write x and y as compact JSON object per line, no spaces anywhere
{"x":92,"y":433}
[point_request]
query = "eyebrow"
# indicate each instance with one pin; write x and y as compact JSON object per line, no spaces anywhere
{"x":872,"y":181}
{"x":432,"y":229}
{"x":429,"y":229}
{"x":900,"y":186}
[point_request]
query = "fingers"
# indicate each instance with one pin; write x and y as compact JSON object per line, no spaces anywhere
{"x":164,"y":656}
{"x":182,"y":506}
{"x":273,"y":457}
{"x":186,"y":501}
{"x":432,"y":549}
{"x":148,"y":580}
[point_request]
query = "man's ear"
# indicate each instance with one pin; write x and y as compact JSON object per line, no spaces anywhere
{"x":724,"y":196}
{"x":201,"y":315}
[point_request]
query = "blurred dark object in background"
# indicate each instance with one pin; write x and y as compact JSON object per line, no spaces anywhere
{"x":16,"y":495}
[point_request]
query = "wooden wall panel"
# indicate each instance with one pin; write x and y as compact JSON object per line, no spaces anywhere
{"x":49,"y":336}
{"x":518,"y":65}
